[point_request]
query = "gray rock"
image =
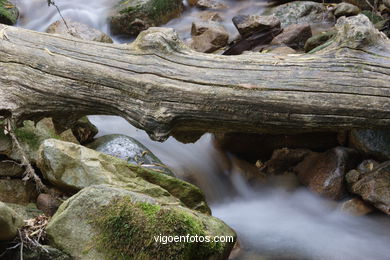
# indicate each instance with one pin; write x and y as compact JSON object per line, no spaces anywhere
{"x":78,"y":30}
{"x":128,"y":149}
{"x":10,"y":222}
{"x":210,"y":16}
{"x":249,"y":24}
{"x":28,"y":211}
{"x":346,"y":9}
{"x":73,"y":167}
{"x":302,"y":12}
{"x":294,"y":36}
{"x":133,"y":16}
{"x":106,"y":222}
{"x":373,"y":186}
{"x":375,"y":143}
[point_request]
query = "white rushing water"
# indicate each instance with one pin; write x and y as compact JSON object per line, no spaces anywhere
{"x":272,"y":222}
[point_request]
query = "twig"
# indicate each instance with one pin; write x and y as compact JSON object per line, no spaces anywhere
{"x":49,"y":3}
{"x":29,"y":172}
{"x":21,"y":245}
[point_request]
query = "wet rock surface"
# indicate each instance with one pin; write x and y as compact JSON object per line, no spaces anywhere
{"x":375,"y":143}
{"x":128,"y":149}
{"x":373,"y":186}
{"x":324,"y":173}
{"x":294,"y":36}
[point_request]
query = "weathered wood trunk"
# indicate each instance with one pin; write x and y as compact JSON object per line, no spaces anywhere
{"x":161,"y":86}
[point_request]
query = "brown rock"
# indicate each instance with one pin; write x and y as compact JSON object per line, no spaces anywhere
{"x":372,"y":186}
{"x":48,"y":204}
{"x":372,"y":143}
{"x":199,"y":28}
{"x":356,"y":207}
{"x":78,"y":30}
{"x":283,"y":50}
{"x":16,"y":191}
{"x":324,"y":172}
{"x":346,"y":9}
{"x":284,"y":159}
{"x":294,"y":36}
{"x":11,"y":169}
{"x":210,"y":40}
{"x":253,"y":147}
{"x":210,"y":16}
{"x":249,"y":24}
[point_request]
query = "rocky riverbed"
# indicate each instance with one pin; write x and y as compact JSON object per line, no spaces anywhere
{"x":70,"y":192}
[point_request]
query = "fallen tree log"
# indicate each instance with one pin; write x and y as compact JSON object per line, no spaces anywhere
{"x":161,"y":86}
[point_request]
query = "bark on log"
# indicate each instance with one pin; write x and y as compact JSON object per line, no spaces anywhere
{"x":161,"y":86}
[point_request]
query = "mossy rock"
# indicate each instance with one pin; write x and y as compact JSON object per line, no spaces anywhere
{"x":130,"y":17}
{"x":10,"y":222}
{"x":73,"y":167}
{"x":31,"y":135}
{"x":8,"y":13}
{"x":107,"y":222}
{"x":318,"y":40}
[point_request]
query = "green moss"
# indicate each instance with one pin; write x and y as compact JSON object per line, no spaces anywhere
{"x":8,"y":13}
{"x":128,"y":230}
{"x":189,"y":194}
{"x":27,"y":136}
{"x":372,"y":16}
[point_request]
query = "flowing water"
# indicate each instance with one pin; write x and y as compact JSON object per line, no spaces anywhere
{"x":274,"y":221}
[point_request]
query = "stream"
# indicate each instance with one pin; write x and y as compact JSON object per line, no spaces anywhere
{"x":272,"y":222}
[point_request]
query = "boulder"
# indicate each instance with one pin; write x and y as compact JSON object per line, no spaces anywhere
{"x":373,"y":186}
{"x":78,"y":30}
{"x":318,"y":39}
{"x":210,"y":4}
{"x":133,"y":16}
{"x":302,"y":12}
{"x":372,"y":143}
{"x":73,"y":167}
{"x":247,"y":25}
{"x":84,"y":130}
{"x":11,"y":169}
{"x":294,"y":36}
{"x":9,"y":13}
{"x":17,"y":191}
{"x":116,"y":223}
{"x":10,"y":222}
{"x":346,"y":9}
{"x":128,"y":149}
{"x":324,"y":173}
{"x":356,"y":207}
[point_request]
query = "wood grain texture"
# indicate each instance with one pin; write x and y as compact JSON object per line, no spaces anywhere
{"x":161,"y":86}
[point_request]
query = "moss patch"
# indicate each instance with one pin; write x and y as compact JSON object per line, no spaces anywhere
{"x":127,"y":231}
{"x":8,"y":13}
{"x":189,"y":194}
